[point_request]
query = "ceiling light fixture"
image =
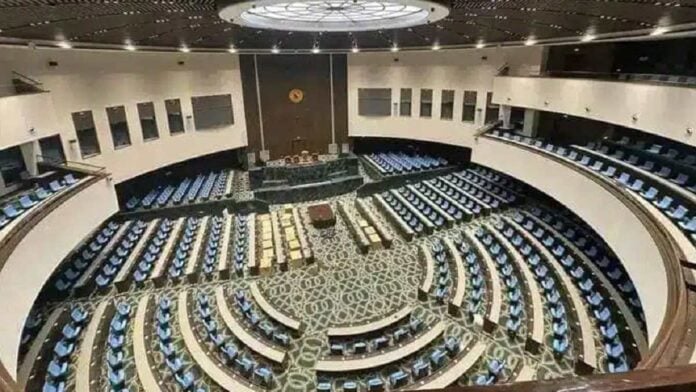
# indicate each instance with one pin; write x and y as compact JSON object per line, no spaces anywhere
{"x":184,"y":49}
{"x":64,"y":44}
{"x":530,"y":41}
{"x":394,"y":48}
{"x":130,"y":47}
{"x":316,"y":50}
{"x":659,"y":30}
{"x":331,"y":15}
{"x":355,"y":49}
{"x":436,"y":46}
{"x":480,"y":45}
{"x":275,"y":50}
{"x":588,"y":37}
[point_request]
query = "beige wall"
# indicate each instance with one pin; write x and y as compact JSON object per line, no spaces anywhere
{"x":39,"y":253}
{"x":660,"y":109}
{"x":607,"y":215}
{"x":457,"y":70}
{"x":94,"y":80}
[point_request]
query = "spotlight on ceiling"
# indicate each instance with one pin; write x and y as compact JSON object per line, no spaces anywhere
{"x":530,"y":41}
{"x":659,"y":30}
{"x":184,"y":49}
{"x":275,"y":50}
{"x":232,"y":49}
{"x":588,"y":37}
{"x":480,"y":45}
{"x":316,"y":50}
{"x":394,"y":48}
{"x":64,"y":44}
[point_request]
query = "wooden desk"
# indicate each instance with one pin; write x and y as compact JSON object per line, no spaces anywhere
{"x":455,"y":303}
{"x":143,"y":364}
{"x":427,"y":283}
{"x":92,"y":346}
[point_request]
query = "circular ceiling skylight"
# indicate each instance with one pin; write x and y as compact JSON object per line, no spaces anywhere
{"x":333,"y":15}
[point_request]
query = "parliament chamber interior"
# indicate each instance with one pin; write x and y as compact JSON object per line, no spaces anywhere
{"x":349,"y":196}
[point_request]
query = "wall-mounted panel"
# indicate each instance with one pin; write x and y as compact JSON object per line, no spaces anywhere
{"x":92,"y":80}
{"x":609,"y":216}
{"x":433,"y":72}
{"x":663,"y":110}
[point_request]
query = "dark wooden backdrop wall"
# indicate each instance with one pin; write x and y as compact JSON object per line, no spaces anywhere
{"x":285,"y":121}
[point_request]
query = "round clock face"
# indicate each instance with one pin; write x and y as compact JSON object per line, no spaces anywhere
{"x":296,"y":95}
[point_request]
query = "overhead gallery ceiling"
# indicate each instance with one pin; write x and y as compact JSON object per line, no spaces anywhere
{"x":305,"y":25}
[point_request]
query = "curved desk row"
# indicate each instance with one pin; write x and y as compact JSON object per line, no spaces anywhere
{"x":427,"y":283}
{"x":535,"y":335}
{"x":588,"y":352}
{"x":455,"y":303}
{"x":92,"y":347}
{"x":352,"y":331}
{"x":295,"y":325}
{"x":240,"y":332}
{"x":495,"y":302}
{"x":459,"y":366}
{"x":381,"y":359}
{"x":213,"y":369}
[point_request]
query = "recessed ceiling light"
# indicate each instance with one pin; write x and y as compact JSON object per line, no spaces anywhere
{"x":275,"y":50}
{"x":588,"y":37}
{"x":355,"y":49}
{"x":316,"y":50}
{"x":530,"y":41}
{"x":480,"y":45}
{"x":64,"y":44}
{"x":394,"y":48}
{"x":659,"y":30}
{"x":184,"y":49}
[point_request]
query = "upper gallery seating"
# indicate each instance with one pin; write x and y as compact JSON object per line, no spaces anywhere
{"x":205,"y":186}
{"x":659,"y":174}
{"x":394,"y":163}
{"x":16,"y":206}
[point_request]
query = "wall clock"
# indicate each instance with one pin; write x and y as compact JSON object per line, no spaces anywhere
{"x":296,"y":95}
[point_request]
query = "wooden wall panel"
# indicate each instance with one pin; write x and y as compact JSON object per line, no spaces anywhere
{"x":285,"y":121}
{"x":340,"y":74}
{"x":246,"y":64}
